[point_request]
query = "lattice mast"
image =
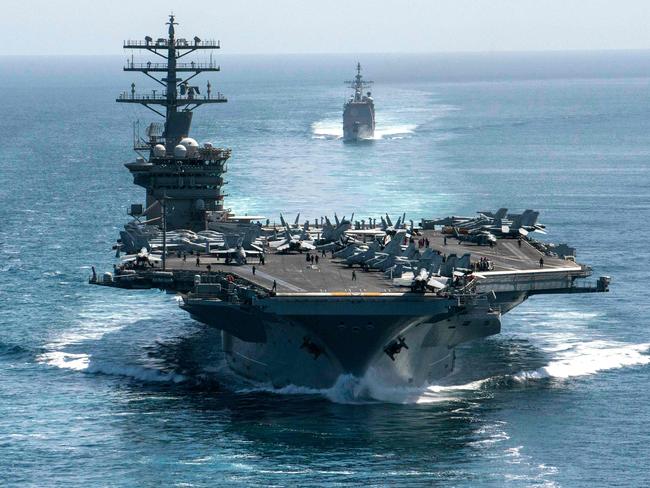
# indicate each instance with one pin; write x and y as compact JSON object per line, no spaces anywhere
{"x":177,"y":122}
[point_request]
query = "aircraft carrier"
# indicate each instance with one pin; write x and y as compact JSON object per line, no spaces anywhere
{"x":359,"y":111}
{"x":304,"y":303}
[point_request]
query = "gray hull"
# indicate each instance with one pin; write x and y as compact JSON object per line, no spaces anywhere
{"x":315,"y":349}
{"x":358,"y":121}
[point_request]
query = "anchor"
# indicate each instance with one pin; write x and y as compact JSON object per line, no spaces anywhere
{"x":312,"y":347}
{"x":395,"y":348}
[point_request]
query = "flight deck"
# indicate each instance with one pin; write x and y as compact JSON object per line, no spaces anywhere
{"x":293,"y":274}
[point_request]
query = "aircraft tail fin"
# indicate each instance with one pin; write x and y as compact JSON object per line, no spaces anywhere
{"x":529,"y":218}
{"x":500,"y":214}
{"x":394,"y":246}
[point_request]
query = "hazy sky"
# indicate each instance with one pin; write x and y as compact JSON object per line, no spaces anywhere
{"x":332,"y":26}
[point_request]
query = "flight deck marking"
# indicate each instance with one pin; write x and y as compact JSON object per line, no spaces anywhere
{"x":277,"y":280}
{"x":513,"y":249}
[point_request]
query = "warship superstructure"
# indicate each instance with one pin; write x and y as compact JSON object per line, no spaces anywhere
{"x":359,"y":111}
{"x":306,"y":303}
{"x":172,"y":167}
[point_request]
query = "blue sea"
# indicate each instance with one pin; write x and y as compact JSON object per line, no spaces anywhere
{"x":100,"y":387}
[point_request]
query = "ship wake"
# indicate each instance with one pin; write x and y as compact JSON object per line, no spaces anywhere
{"x":589,"y":358}
{"x":332,"y":129}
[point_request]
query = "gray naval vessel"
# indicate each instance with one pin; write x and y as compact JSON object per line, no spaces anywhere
{"x":359,"y":111}
{"x":305,"y":303}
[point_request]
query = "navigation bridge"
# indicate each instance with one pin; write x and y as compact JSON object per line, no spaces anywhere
{"x":183,"y":179}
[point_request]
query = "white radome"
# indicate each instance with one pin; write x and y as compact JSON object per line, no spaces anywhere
{"x":159,"y":150}
{"x":190,"y":144}
{"x":180,"y":151}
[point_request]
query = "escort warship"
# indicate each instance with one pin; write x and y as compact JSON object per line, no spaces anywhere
{"x":305,"y":303}
{"x":359,"y":111}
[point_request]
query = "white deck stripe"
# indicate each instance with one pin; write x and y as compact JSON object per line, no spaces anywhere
{"x":271,"y":278}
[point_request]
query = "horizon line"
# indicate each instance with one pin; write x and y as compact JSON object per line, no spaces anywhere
{"x":371,"y":53}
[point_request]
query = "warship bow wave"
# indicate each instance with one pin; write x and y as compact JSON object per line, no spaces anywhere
{"x":359,"y":111}
{"x":306,"y":303}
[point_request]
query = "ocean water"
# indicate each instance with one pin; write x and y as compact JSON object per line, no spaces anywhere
{"x":121,"y":389}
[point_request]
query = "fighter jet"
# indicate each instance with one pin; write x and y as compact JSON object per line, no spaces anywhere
{"x":388,"y":227}
{"x":514,"y":225}
{"x":479,"y":237}
{"x":237,"y":248}
{"x":392,"y":248}
{"x":332,"y":233}
{"x":295,"y":225}
{"x":142,"y":258}
{"x":525,"y":223}
{"x":363,"y":255}
{"x":294,"y":242}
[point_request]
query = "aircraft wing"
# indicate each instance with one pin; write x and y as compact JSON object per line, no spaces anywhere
{"x":365,"y":232}
{"x":277,"y":244}
{"x":437,"y":282}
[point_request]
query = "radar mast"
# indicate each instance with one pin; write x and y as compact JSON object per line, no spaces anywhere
{"x":359,"y":84}
{"x":178,"y":97}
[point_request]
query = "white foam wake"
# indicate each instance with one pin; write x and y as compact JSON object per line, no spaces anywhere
{"x":99,"y":319}
{"x":572,"y":360}
{"x":333,"y":129}
{"x":84,"y":363}
{"x":350,"y":389}
{"x":562,"y":333}
{"x":65,"y":360}
{"x":588,"y":358}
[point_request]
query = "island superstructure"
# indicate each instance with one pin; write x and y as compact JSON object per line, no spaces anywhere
{"x":359,"y":111}
{"x":304,"y":303}
{"x":173,"y":168}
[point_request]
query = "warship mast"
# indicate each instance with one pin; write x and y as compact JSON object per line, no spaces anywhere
{"x":176,"y":168}
{"x":358,"y":84}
